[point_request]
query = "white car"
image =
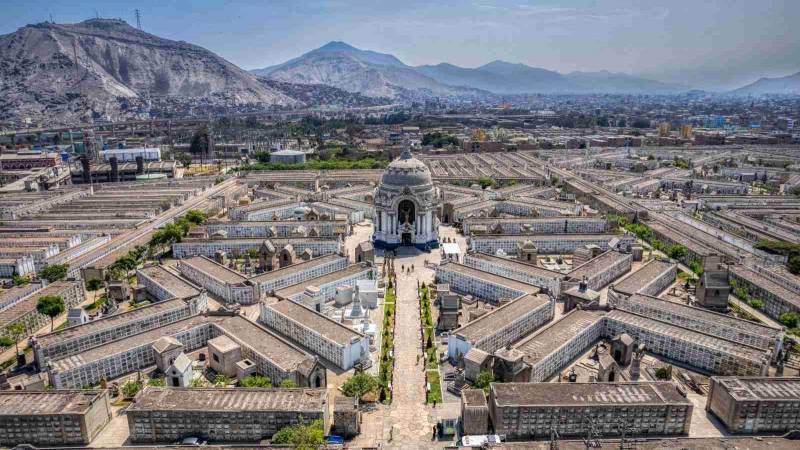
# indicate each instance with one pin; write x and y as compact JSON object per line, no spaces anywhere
{"x":479,"y":440}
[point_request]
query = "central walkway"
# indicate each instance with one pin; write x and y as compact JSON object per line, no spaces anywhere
{"x":410,"y":419}
{"x":408,"y":422}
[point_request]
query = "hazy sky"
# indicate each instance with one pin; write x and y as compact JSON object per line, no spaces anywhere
{"x":702,"y":43}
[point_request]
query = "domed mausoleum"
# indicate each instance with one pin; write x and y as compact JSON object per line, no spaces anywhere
{"x":405,"y":206}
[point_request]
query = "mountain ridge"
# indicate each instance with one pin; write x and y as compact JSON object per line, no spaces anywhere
{"x":81,"y":70}
{"x":789,"y":84}
{"x":497,"y":77}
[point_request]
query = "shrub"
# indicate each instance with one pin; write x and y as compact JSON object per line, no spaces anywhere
{"x":790,"y":319}
{"x":288,"y":383}
{"x":130,"y":389}
{"x":360,"y":384}
{"x":302,"y":437}
{"x":256,"y":381}
{"x":54,"y":272}
{"x":662,"y":373}
{"x":483,"y":380}
{"x":756,"y":303}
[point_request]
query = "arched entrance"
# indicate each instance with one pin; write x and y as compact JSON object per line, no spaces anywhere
{"x":406,"y":214}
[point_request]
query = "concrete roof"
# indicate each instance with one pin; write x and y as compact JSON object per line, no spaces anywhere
{"x":634,"y":282}
{"x":110,"y":322}
{"x":315,"y":321}
{"x":17,"y":403}
{"x":228,"y":400}
{"x":558,"y":333}
{"x":495,"y":320}
{"x":171,"y":282}
{"x":582,"y":394}
{"x":761,"y":388}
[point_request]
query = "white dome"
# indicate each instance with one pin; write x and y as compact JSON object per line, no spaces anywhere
{"x":407,"y":171}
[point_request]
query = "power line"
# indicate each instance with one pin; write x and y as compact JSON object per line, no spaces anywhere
{"x":138,"y":18}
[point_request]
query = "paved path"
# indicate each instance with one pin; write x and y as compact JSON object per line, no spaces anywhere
{"x":409,"y":417}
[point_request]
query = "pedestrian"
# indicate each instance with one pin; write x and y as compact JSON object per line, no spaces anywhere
{"x":434,"y":404}
{"x":433,"y":437}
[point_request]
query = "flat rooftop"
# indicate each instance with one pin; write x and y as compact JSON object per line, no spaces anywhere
{"x":214,"y":270}
{"x":518,"y":266}
{"x":28,"y":304}
{"x":582,"y":394}
{"x":761,"y":388}
{"x":704,"y":315}
{"x":598,"y":264}
{"x":171,"y":282}
{"x":642,"y":277}
{"x":110,"y":322}
{"x":122,"y":345}
{"x":326,"y":327}
{"x":326,"y":279}
{"x":17,"y":403}
{"x":767,"y":284}
{"x":548,"y":340}
{"x":471,"y":272}
{"x":496,"y":319}
{"x":260,"y":339}
{"x":685,"y":334}
{"x":294,"y":268}
{"x":229,"y":400}
{"x":473,"y":397}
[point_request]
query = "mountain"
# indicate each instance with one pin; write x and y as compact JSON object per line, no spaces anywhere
{"x":39,"y":77}
{"x":783,"y":85}
{"x":502,"y":77}
{"x":621,"y":83}
{"x":354,"y":70}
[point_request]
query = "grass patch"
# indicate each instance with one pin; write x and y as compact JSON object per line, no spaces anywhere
{"x":386,"y":370}
{"x":435,"y":380}
{"x":429,"y":344}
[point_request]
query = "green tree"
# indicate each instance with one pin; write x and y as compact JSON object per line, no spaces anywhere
{"x":696,"y":267}
{"x":184,"y":158}
{"x":93,"y":286}
{"x":130,"y":389}
{"x":483,"y":380}
{"x":156,"y":382}
{"x":360,"y":384}
{"x":790,"y":319}
{"x":21,"y":280}
{"x":486,"y":182}
{"x":756,"y":303}
{"x":288,"y":383}
{"x":199,"y":144}
{"x":50,"y":306}
{"x":54,"y":272}
{"x":794,"y":264}
{"x":301,"y":437}
{"x":6,"y":342}
{"x":196,"y":216}
{"x":17,"y":331}
{"x":677,"y":251}
{"x":256,"y":381}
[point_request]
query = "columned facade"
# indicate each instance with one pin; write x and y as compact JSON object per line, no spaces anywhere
{"x":405,"y":206}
